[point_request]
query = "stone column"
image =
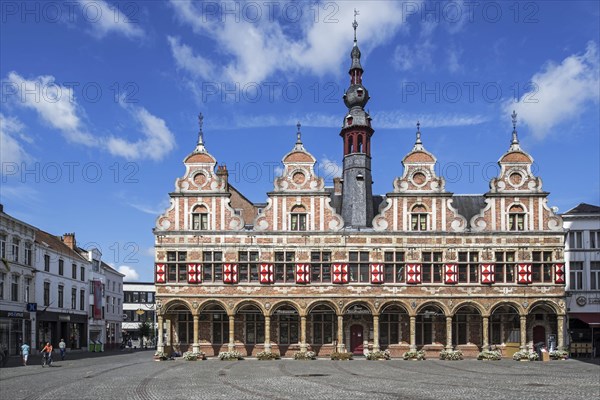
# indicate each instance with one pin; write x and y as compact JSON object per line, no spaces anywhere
{"x":523,"y":327}
{"x":196,"y":345}
{"x":160,"y":346}
{"x":340,"y":345}
{"x":448,"y":333}
{"x":486,"y":332}
{"x":413,"y":333}
{"x":267,"y":333}
{"x":231,"y":345}
{"x":303,"y":345}
{"x":560,"y":321}
{"x":375,"y":332}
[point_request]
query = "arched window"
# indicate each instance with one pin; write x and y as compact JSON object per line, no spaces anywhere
{"x":200,"y":218}
{"x":298,"y":218}
{"x":418,"y":218}
{"x":350,"y":140}
{"x":516,"y":218}
{"x":360,"y":144}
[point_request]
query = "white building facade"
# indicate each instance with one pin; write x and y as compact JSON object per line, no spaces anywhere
{"x":582,"y":256}
{"x":113,"y":309}
{"x":139,"y":306}
{"x":17,"y":271}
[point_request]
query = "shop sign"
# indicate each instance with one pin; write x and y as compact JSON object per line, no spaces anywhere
{"x":64,"y":317}
{"x":14,"y":314}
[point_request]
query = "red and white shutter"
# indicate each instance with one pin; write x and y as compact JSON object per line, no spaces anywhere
{"x":450,"y":274}
{"x":487,"y":273}
{"x":340,"y":273}
{"x":161,"y":273}
{"x":524,"y":273}
{"x":191,"y":273}
{"x":230,"y":273}
{"x":302,"y":273}
{"x":266,"y":273}
{"x":376,"y":273}
{"x":413,"y":273}
{"x":559,"y":273}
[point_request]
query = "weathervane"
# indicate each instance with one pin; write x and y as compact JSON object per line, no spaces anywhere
{"x":355,"y":24}
{"x":418,"y":133}
{"x":515,"y":140}
{"x":200,"y":133}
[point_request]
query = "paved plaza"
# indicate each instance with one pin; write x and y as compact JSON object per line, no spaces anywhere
{"x":137,"y":376}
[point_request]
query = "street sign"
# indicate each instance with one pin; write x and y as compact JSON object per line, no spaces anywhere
{"x":32,"y":307}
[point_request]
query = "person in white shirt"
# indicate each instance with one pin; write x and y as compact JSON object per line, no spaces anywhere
{"x":62,"y":346}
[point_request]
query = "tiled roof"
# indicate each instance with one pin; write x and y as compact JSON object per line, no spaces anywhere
{"x":53,"y":242}
{"x":584,"y":208}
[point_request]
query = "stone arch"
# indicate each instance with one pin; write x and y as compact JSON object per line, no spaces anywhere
{"x":542,"y":322}
{"x":361,"y":302}
{"x":210,"y":302}
{"x":389,"y":303}
{"x":317,"y":303}
{"x":467,"y":325}
{"x":516,"y":306}
{"x":281,"y":303}
{"x":171,"y":303}
{"x":248,"y":302}
{"x":548,"y":303}
{"x":434,"y":303}
{"x":470,"y":303}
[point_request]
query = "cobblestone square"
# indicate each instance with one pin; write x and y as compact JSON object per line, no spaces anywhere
{"x":137,"y":376}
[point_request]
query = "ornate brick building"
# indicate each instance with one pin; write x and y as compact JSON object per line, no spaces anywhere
{"x":325,"y":268}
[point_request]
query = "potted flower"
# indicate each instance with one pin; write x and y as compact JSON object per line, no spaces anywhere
{"x":192,"y":356}
{"x":160,"y":356}
{"x":489,"y":355}
{"x":305,"y":355}
{"x":341,"y":356}
{"x":524,"y":355}
{"x":559,"y":354}
{"x":379,"y":355}
{"x":414,"y":355}
{"x":451,"y":355}
{"x":267,"y":355}
{"x":230,"y":356}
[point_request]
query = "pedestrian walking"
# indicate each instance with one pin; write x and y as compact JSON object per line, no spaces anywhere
{"x":62,"y":346}
{"x":25,"y":353}
{"x":47,"y":355}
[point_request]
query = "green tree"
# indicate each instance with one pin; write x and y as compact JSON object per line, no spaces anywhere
{"x":145,"y":329}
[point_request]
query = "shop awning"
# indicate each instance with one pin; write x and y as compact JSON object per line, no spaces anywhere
{"x":592,"y":319}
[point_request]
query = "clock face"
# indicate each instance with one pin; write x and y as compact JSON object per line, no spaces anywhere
{"x":581,"y":301}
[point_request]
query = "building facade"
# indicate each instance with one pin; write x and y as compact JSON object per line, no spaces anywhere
{"x":113,"y":309}
{"x":342,"y":269}
{"x":17,"y":274}
{"x":582,"y":257}
{"x":139,"y":306}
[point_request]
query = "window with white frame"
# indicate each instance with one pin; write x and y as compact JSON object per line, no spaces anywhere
{"x":576,"y":239}
{"x":73,"y":298}
{"x":28,"y":253}
{"x":200,"y":218}
{"x":418,"y":218}
{"x":14,"y":287}
{"x":46,"y":294}
{"x":516,"y":218}
{"x":595,"y":275}
{"x":27,"y":290}
{"x":576,"y":275}
{"x":46,"y":263}
{"x":2,"y":279}
{"x":15,"y":249}
{"x":61,"y":296}
{"x":594,"y":239}
{"x":298,"y":218}
{"x":2,"y":246}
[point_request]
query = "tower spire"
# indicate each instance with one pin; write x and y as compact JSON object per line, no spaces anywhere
{"x":514,"y":144}
{"x":299,"y":145}
{"x":355,"y":25}
{"x":200,"y":145}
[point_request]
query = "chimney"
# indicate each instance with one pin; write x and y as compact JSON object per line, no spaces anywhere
{"x":69,"y":240}
{"x":223,"y":173}
{"x":337,"y":185}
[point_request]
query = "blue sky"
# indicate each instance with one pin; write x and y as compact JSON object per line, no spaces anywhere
{"x":100,"y":100}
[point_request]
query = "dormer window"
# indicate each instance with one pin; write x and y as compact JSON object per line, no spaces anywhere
{"x":418,"y":218}
{"x":200,"y":218}
{"x":298,"y":218}
{"x":516,"y":218}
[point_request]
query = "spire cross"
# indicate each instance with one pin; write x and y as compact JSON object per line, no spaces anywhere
{"x":355,"y":24}
{"x":418,"y":133}
{"x":200,"y":133}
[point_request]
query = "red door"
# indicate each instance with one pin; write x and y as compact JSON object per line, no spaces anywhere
{"x":356,"y":339}
{"x":539,"y":334}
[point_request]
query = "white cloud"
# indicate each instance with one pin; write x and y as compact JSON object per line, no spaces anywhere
{"x":105,"y":18}
{"x":158,"y":140}
{"x":131,"y":275}
{"x":562,"y":92}
{"x":454,"y":55}
{"x":55,"y":104}
{"x":255,"y":50}
{"x":329,"y":169}
{"x":11,"y":138}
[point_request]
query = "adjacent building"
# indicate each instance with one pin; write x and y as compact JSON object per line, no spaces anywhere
{"x":17,"y":274}
{"x":139,"y":306}
{"x":582,"y":256}
{"x":342,"y":269}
